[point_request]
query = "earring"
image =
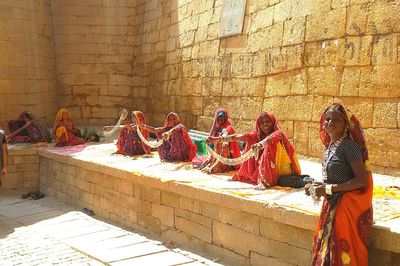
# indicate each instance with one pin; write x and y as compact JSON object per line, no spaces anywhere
{"x":346,"y":133}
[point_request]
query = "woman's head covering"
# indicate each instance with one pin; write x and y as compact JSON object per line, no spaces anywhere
{"x":215,"y":127}
{"x":60,"y":113}
{"x":177,"y":120}
{"x":27,"y":114}
{"x":356,"y":132}
{"x":275,"y":126}
{"x":140,"y":116}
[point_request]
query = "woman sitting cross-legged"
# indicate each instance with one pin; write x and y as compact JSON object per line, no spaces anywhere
{"x":177,"y":145}
{"x":65,"y":131}
{"x":222,"y":126}
{"x":129,"y":142}
{"x":276,"y":155}
{"x":344,"y":227}
{"x":27,"y":129}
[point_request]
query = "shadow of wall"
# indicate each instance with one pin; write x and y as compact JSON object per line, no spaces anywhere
{"x":27,"y":76}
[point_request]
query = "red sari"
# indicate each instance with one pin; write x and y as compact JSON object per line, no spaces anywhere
{"x":233,"y":150}
{"x":179,"y":146}
{"x":343,"y":230}
{"x":268,"y":163}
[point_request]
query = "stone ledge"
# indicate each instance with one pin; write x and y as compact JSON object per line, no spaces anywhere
{"x":168,"y":197}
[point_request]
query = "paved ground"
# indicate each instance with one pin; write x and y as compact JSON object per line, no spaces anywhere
{"x":47,"y":232}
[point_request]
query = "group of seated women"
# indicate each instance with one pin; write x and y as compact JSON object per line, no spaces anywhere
{"x":345,"y":222}
{"x":28,"y":129}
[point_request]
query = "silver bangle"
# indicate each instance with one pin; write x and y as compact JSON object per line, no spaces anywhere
{"x":328,"y":189}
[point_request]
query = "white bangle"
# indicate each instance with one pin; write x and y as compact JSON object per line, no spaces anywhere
{"x":328,"y":189}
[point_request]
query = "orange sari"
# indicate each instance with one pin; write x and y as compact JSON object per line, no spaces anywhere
{"x":343,"y":230}
{"x":65,"y":132}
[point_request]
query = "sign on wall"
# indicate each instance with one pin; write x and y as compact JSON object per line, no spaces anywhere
{"x":232,"y":17}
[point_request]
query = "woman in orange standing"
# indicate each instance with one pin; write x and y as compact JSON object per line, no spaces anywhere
{"x":344,"y":226}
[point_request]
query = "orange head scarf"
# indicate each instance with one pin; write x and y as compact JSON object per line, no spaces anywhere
{"x":59,"y":116}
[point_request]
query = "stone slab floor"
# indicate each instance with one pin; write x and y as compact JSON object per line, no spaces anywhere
{"x":47,"y":232}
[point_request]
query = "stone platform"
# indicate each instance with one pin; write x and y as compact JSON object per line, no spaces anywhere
{"x":205,"y":213}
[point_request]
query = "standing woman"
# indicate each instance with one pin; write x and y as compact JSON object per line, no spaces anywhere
{"x":276,"y":155}
{"x":65,"y":131}
{"x":344,"y":227}
{"x":222,"y":126}
{"x":177,"y":145}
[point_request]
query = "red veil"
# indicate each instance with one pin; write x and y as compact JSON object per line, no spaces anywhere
{"x":191,"y":146}
{"x":233,"y":146}
{"x":140,"y":116}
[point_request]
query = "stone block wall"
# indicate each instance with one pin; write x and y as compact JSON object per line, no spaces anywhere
{"x":27,"y":66}
{"x":293,"y":59}
{"x":237,"y":230}
{"x":94,"y":42}
{"x":22,"y":171}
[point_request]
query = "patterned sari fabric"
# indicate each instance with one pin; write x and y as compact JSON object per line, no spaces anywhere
{"x":129,"y":142}
{"x":65,"y":132}
{"x":32,"y":134}
{"x":229,"y":151}
{"x":344,"y":227}
{"x":277,"y":158}
{"x":179,"y":146}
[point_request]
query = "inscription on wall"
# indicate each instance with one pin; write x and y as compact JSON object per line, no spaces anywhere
{"x":232,"y":17}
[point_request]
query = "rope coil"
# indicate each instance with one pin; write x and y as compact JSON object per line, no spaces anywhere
{"x":151,"y":144}
{"x":123,"y":116}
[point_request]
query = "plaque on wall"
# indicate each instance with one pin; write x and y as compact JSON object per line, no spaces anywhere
{"x":232,"y":17}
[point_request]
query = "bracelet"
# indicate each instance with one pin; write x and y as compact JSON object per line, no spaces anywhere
{"x":328,"y":189}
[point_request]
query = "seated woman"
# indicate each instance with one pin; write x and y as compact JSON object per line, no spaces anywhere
{"x":222,"y":127}
{"x":27,"y":129}
{"x":177,"y":145}
{"x":344,"y":227}
{"x":65,"y":131}
{"x":129,"y":142}
{"x":276,"y":155}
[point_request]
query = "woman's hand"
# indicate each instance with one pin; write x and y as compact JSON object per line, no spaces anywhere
{"x":8,"y":138}
{"x":3,"y":171}
{"x":320,"y":190}
{"x":210,"y":139}
{"x":166,"y":135}
{"x":257,"y":147}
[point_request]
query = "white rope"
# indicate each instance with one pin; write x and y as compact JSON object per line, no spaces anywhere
{"x":123,"y":116}
{"x":228,"y":161}
{"x":151,"y":144}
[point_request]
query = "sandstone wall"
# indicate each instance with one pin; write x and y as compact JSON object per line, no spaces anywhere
{"x":293,"y":59}
{"x":94,"y":51}
{"x":22,"y":171}
{"x":27,"y":76}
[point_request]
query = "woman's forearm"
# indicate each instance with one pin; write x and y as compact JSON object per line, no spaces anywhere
{"x":149,"y":128}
